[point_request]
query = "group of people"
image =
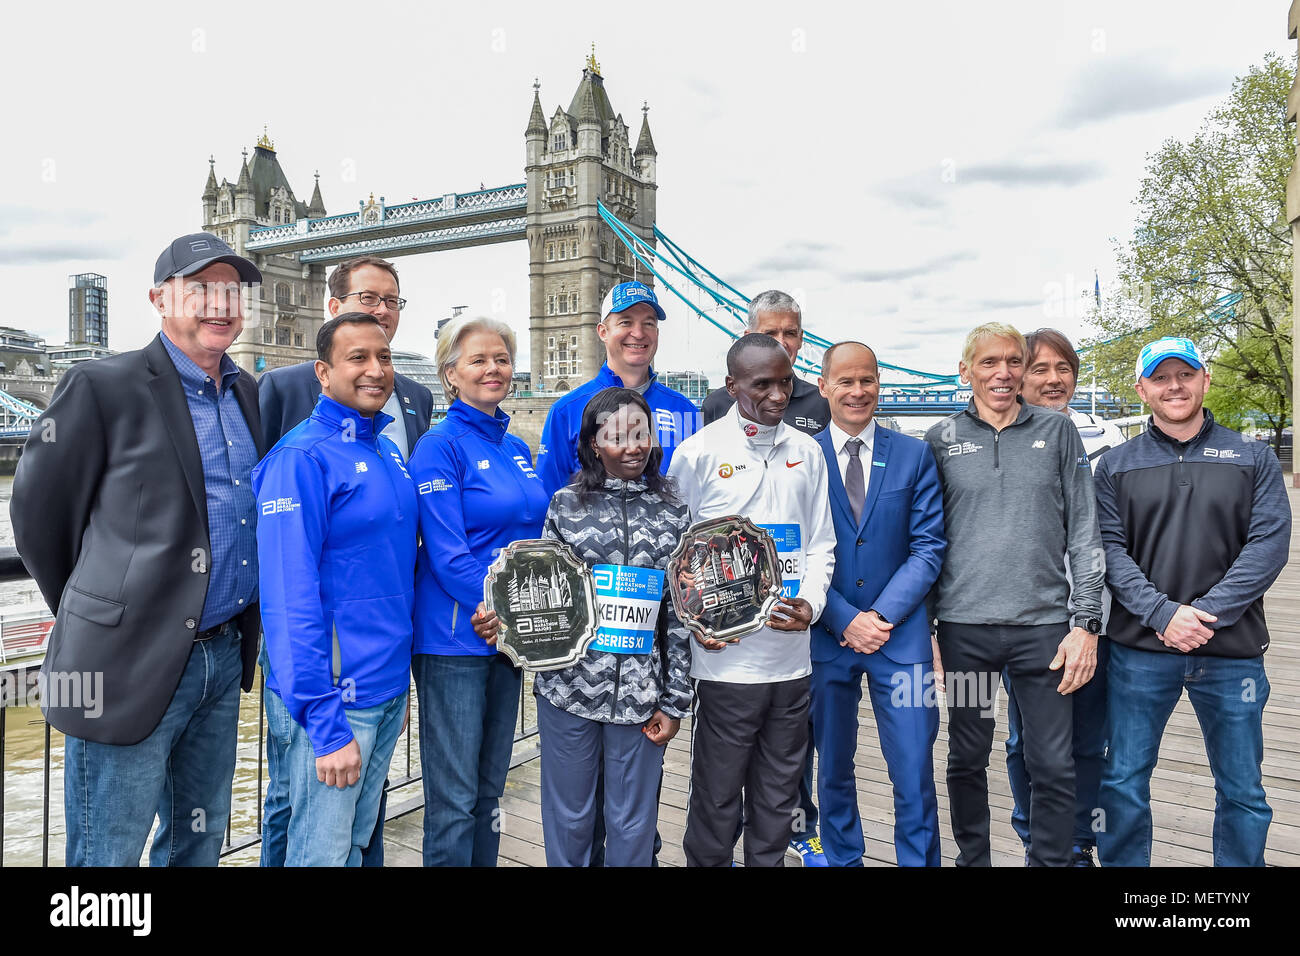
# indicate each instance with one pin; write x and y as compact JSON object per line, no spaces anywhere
{"x":185,"y":521}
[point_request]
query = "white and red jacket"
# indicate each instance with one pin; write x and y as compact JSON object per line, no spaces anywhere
{"x":776,"y":477}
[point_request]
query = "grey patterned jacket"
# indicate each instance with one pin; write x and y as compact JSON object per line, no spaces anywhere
{"x":624,"y":524}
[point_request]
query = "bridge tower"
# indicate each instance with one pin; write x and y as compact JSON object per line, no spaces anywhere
{"x":287,"y":310}
{"x":582,"y":155}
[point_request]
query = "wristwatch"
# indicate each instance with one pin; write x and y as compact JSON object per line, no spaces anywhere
{"x":1090,"y":624}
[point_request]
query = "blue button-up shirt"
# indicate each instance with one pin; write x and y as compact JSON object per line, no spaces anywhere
{"x":229,"y":454}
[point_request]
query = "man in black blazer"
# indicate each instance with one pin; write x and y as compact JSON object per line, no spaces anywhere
{"x":133,"y":510}
{"x":286,"y":397}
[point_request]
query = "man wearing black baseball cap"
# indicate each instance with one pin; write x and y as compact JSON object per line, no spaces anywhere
{"x":133,"y":509}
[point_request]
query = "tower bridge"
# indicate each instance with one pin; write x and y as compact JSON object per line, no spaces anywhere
{"x":586,"y":209}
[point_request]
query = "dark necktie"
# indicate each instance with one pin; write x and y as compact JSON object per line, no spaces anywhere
{"x":854,"y":483}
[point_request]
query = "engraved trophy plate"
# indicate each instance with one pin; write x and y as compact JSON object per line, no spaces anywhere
{"x":724,"y":577}
{"x":546,"y":600}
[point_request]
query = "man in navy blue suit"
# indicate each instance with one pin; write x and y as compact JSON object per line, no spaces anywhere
{"x":286,"y":397}
{"x":887,"y":505}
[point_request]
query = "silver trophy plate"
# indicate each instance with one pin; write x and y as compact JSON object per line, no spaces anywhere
{"x":546,"y":601}
{"x":724,"y":577}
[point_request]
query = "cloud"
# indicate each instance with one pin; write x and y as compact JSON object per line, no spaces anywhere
{"x":1113,"y":86}
{"x":913,"y":196}
{"x":59,"y":250}
{"x":1006,"y":303}
{"x":895,"y":273}
{"x":11,"y":216}
{"x":1022,"y":173}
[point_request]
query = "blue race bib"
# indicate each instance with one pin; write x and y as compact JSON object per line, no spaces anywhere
{"x":627,"y":607}
{"x":789,"y":552}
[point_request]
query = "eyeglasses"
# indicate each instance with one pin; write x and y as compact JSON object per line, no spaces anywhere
{"x":372,"y":299}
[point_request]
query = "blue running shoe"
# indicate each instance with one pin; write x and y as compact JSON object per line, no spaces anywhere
{"x":1082,"y":856}
{"x":810,"y":851}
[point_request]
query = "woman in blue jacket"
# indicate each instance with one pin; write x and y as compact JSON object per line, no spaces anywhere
{"x":477,"y":492}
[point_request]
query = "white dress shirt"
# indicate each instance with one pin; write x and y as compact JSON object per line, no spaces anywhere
{"x":839,"y":438}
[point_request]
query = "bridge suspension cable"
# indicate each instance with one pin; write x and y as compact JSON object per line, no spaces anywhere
{"x":731,"y":301}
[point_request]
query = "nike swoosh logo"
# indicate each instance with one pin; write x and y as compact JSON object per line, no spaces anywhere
{"x":791,"y":464}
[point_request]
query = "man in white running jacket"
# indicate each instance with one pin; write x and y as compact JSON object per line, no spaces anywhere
{"x":752,"y":697}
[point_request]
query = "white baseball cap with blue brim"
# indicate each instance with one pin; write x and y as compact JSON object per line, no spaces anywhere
{"x":1159,"y":350}
{"x":627,"y":294}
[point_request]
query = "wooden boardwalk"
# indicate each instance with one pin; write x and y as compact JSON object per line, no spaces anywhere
{"x":1182,"y":788}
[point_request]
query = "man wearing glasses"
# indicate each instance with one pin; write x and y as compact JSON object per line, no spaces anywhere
{"x":286,"y":397}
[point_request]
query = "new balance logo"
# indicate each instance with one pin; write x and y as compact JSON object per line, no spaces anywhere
{"x":361,"y":466}
{"x":483,"y":464}
{"x":1039,"y":444}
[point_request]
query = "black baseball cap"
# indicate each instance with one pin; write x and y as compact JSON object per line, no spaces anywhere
{"x":194,"y":253}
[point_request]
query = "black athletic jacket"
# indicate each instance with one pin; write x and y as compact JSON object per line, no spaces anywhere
{"x":1204,"y":522}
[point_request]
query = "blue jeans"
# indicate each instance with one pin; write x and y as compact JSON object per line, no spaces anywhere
{"x":1089,"y":754}
{"x":180,"y":773}
{"x":275,"y":812}
{"x":1228,"y":695}
{"x":328,"y":826}
{"x":468,"y":708}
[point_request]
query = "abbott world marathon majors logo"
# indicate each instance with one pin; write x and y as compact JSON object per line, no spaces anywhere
{"x":75,"y":909}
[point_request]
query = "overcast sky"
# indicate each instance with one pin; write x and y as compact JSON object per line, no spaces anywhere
{"x":906,"y":170}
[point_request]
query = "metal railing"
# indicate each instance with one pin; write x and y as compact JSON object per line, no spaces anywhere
{"x":11,"y":568}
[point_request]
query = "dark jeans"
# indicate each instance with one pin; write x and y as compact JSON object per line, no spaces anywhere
{"x":468,"y":708}
{"x":1228,"y":695}
{"x":974,"y":656}
{"x":1089,"y":750}
{"x":748,"y":746}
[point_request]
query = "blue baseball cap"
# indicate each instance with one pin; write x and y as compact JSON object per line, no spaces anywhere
{"x":627,"y":294}
{"x":194,"y":253}
{"x":1159,"y":350}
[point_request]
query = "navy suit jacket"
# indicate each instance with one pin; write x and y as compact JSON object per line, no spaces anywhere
{"x":286,"y":397}
{"x":891,"y":558}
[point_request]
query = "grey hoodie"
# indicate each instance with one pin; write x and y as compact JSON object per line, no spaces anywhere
{"x":1013,"y":502}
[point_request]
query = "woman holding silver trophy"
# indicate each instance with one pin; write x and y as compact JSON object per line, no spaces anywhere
{"x":622,"y":701}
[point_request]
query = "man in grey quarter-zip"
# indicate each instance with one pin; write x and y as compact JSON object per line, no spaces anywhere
{"x":1017,"y":493}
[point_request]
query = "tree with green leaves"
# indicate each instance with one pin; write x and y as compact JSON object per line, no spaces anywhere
{"x":1210,"y":257}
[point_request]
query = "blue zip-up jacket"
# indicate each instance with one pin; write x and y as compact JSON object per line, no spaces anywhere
{"x":477,"y":492}
{"x":336,"y":539}
{"x":1204,"y":522}
{"x":676,"y":419}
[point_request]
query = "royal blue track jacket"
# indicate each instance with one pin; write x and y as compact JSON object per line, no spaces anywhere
{"x":676,"y":419}
{"x":477,"y":492}
{"x":336,"y":542}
